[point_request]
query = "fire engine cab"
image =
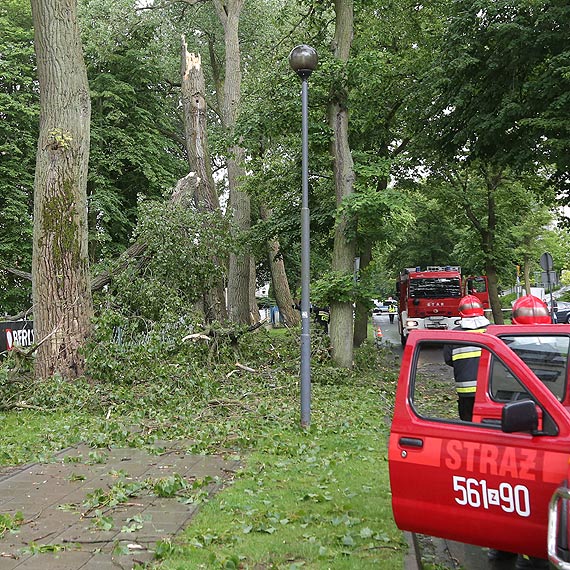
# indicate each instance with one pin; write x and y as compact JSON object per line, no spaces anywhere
{"x":500,"y":480}
{"x":429,"y":298}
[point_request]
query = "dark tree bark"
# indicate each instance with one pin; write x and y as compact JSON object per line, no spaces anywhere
{"x":361,"y":316}
{"x":253,"y":308}
{"x":486,"y":229}
{"x":196,"y":136}
{"x":341,"y":323}
{"x":239,"y":279}
{"x":60,"y":268}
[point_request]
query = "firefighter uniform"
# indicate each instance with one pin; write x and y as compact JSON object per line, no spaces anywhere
{"x":465,"y":362}
{"x":322,"y":317}
{"x":465,"y":359}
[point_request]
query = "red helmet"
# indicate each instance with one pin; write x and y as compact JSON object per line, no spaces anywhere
{"x":470,"y":306}
{"x":530,"y":310}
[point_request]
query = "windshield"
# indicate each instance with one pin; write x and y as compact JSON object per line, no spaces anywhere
{"x":435,"y":287}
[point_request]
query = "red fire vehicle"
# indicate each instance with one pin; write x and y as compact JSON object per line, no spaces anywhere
{"x":429,"y":299}
{"x":501,"y":480}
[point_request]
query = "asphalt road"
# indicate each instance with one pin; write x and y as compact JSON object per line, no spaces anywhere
{"x":390,"y":333}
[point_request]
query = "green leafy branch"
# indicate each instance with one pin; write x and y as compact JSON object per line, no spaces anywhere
{"x":334,"y":286}
{"x":343,"y":287}
{"x":375,"y":215}
{"x":9,"y":523}
{"x":35,"y":548}
{"x":119,"y":494}
{"x":59,"y":139}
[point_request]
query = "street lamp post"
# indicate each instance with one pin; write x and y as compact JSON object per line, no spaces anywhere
{"x":303,"y":60}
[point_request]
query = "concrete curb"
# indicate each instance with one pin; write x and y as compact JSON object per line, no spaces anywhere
{"x":413,"y":559}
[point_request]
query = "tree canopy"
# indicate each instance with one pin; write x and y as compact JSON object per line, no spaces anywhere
{"x":19,"y":116}
{"x":435,"y":94}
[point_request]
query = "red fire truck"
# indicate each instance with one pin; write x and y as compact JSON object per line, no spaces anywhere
{"x":429,"y":298}
{"x":501,"y":480}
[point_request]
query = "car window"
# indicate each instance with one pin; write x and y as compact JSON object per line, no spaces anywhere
{"x":477,"y":285}
{"x":504,"y":387}
{"x":433,"y":390}
{"x":433,"y":393}
{"x":545,"y":355}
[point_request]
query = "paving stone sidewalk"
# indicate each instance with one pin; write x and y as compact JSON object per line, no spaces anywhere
{"x":63,"y":531}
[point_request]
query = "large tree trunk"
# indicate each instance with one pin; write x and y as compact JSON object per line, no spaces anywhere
{"x":362,"y":311}
{"x":60,"y":267}
{"x":195,"y":128}
{"x":253,"y":307}
{"x":361,"y":317}
{"x":239,"y":272}
{"x":341,"y":314}
{"x":486,"y":228}
{"x":494,"y":301}
{"x":526,"y":274}
{"x":239,"y":277}
{"x":281,"y":289}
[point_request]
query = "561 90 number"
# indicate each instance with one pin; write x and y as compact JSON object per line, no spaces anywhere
{"x":476,"y":494}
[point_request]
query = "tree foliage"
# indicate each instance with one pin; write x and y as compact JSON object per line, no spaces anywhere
{"x":432,"y":89}
{"x":179,"y":265}
{"x":484,"y":132}
{"x":504,"y":84}
{"x":137,"y":148}
{"x":19,"y":115}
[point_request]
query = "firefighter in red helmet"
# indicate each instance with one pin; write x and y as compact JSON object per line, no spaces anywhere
{"x":530,"y":310}
{"x":470,"y":307}
{"x":465,"y":359}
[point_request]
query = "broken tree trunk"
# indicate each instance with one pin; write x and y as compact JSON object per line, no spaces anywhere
{"x":196,"y":136}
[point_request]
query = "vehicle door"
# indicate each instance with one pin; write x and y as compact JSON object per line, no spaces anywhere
{"x":484,"y":483}
{"x":543,"y":348}
{"x":479,"y":287}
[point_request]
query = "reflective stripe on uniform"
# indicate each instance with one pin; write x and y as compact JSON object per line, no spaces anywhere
{"x":469,"y":387}
{"x":465,"y":352}
{"x":465,"y":361}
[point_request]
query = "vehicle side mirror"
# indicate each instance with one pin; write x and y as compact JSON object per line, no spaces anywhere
{"x":519,"y":416}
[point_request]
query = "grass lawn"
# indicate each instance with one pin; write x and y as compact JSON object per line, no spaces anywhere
{"x":314,"y":498}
